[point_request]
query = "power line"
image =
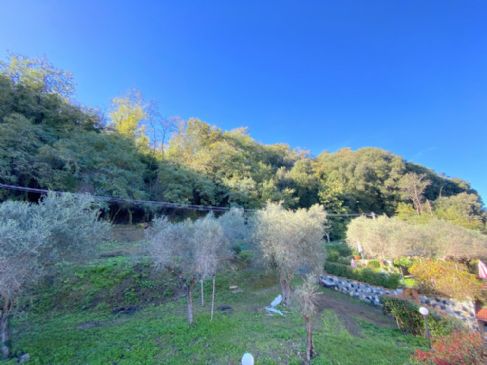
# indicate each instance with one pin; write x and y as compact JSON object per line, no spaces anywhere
{"x":160,"y":204}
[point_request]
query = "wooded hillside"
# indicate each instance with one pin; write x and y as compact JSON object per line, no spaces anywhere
{"x":47,"y":141}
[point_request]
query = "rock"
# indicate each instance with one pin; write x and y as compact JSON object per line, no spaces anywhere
{"x":225,"y":308}
{"x":22,"y":359}
{"x":88,"y":325}
{"x":131,"y":309}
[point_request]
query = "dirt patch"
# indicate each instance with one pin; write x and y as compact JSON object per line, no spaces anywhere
{"x":348,"y":311}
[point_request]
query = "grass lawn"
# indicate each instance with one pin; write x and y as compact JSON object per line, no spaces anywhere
{"x":347,"y":331}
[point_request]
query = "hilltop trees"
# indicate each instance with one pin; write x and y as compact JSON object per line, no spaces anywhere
{"x":290,"y":240}
{"x":37,"y":74}
{"x":33,"y":237}
{"x":47,"y":141}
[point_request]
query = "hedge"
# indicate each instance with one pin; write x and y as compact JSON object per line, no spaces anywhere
{"x":390,"y":281}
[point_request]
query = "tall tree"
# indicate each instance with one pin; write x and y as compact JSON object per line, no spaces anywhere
{"x":127,"y":115}
{"x":413,"y":187}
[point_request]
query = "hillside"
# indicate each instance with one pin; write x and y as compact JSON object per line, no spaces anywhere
{"x":47,"y":141}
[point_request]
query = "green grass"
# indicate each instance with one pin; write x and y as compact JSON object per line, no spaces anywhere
{"x":158,"y":333}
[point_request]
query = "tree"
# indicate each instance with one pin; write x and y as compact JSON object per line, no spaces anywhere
{"x":290,"y":240}
{"x":33,"y":236}
{"x":21,"y":235}
{"x":210,"y":244}
{"x":464,"y":209}
{"x":37,"y":74}
{"x":188,"y":249}
{"x":413,"y":187}
{"x":385,"y":237}
{"x":307,"y":297}
{"x":127,"y":115}
{"x":171,"y":247}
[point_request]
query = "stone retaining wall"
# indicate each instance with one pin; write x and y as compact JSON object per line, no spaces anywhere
{"x":465,"y":311}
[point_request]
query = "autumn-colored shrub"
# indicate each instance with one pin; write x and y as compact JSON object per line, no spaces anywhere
{"x":446,"y":278}
{"x":458,"y":348}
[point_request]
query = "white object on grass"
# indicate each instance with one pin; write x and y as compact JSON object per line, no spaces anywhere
{"x":273,"y":310}
{"x":247,"y":359}
{"x":424,"y":311}
{"x":277,"y":300}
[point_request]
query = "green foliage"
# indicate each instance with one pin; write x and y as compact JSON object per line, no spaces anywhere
{"x":409,"y":320}
{"x":386,"y":280}
{"x":37,"y":74}
{"x":48,"y":142}
{"x":464,"y":209}
{"x":446,"y":278}
{"x":373,"y":264}
{"x":336,"y":250}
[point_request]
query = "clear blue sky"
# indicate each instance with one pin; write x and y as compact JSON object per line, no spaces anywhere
{"x":408,"y":76}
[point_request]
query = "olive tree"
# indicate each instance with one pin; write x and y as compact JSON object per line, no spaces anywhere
{"x":290,"y":240}
{"x":211,"y":248}
{"x":32,"y":236}
{"x":307,"y":297}
{"x":386,"y":237}
{"x":171,"y":247}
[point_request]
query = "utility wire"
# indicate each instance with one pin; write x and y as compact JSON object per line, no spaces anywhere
{"x":160,"y":204}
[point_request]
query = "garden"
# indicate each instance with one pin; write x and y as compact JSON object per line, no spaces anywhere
{"x":210,"y":289}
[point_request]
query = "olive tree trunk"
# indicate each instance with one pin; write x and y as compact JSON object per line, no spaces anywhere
{"x":285,"y":288}
{"x":309,"y":340}
{"x":4,"y":328}
{"x":213,"y":298}
{"x":189,"y":294}
{"x":202,"y":293}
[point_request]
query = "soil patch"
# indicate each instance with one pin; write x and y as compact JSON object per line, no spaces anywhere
{"x":348,"y":311}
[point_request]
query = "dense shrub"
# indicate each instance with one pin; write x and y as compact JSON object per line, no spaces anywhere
{"x":334,"y":251}
{"x":390,"y":281}
{"x":409,"y":320}
{"x":344,"y":260}
{"x":373,"y":264}
{"x":458,"y":348}
{"x":446,"y":278}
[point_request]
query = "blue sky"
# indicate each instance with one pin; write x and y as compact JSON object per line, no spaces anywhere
{"x":408,"y":76}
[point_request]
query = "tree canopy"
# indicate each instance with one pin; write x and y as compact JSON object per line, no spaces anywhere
{"x":48,"y":141}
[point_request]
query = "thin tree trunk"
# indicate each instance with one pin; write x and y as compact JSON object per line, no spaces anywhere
{"x":190,"y":303}
{"x":213,"y":299}
{"x":286,"y":290}
{"x":130,"y":216}
{"x":4,"y":330}
{"x":202,"y":293}
{"x":115,"y":215}
{"x":309,"y":341}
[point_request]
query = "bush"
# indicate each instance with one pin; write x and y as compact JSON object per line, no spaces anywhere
{"x":446,"y":278}
{"x":409,"y":320}
{"x":344,"y":260}
{"x":373,"y":264}
{"x":390,"y":281}
{"x":458,"y":348}
{"x":336,"y":250}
